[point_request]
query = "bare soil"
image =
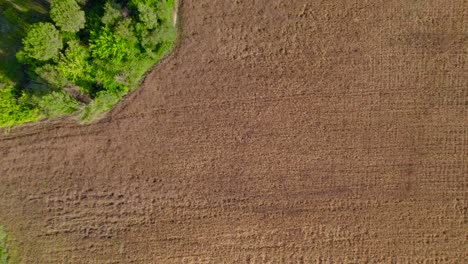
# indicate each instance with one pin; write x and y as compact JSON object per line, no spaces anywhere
{"x":276,"y":132}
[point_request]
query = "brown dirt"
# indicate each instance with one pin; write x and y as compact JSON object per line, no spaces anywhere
{"x":277,"y":132}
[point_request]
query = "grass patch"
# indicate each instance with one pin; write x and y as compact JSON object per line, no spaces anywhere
{"x":8,"y":249}
{"x":3,"y":247}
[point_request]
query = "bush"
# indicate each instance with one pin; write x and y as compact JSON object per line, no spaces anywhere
{"x":134,"y":70}
{"x":49,"y":74}
{"x":106,"y":75}
{"x":102,"y":103}
{"x":67,"y":15}
{"x":164,"y":8}
{"x":57,"y":104}
{"x":42,"y":42}
{"x":164,"y":33}
{"x":38,"y":87}
{"x":14,"y":110}
{"x":82,"y":2}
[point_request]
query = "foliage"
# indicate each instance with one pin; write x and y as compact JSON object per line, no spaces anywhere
{"x":147,"y":15}
{"x":163,"y":34}
{"x":102,"y":103}
{"x":67,"y":15}
{"x":133,"y":71}
{"x":42,"y":42}
{"x":14,"y":108}
{"x":112,"y":12}
{"x":73,"y":63}
{"x":82,"y":2}
{"x":103,"y":51}
{"x":11,"y":14}
{"x":104,"y":44}
{"x":106,"y":76}
{"x":50,"y":74}
{"x":15,"y":20}
{"x":57,"y":104}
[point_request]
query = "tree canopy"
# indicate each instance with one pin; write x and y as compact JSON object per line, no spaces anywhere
{"x":67,"y":15}
{"x":73,"y":67}
{"x":42,"y":42}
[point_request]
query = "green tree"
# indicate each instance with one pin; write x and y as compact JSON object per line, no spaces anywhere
{"x":162,"y":34}
{"x":107,"y":45}
{"x":112,"y":12}
{"x":67,"y":15}
{"x":148,"y":16}
{"x":49,"y":74}
{"x":126,"y":30}
{"x":13,"y":109}
{"x":42,"y":42}
{"x":152,"y":13}
{"x":73,"y":62}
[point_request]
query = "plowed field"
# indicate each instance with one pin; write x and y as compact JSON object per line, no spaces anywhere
{"x":276,"y":132}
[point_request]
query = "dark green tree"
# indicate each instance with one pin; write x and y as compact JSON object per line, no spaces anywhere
{"x":67,"y":15}
{"x":148,"y":16}
{"x":164,"y":33}
{"x":112,"y":12}
{"x":82,"y":2}
{"x":49,"y":74}
{"x":42,"y":42}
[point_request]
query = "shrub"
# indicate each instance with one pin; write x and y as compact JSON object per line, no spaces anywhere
{"x":134,"y":70}
{"x":165,"y":33}
{"x":49,"y":74}
{"x":67,"y":15}
{"x":57,"y":104}
{"x":164,"y":8}
{"x":38,"y":87}
{"x":105,"y":76}
{"x":42,"y":42}
{"x":102,"y":103}
{"x":15,"y":110}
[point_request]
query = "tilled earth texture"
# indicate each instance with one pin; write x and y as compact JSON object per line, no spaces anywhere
{"x":276,"y":132}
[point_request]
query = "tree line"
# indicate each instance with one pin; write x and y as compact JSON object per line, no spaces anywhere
{"x":85,"y":57}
